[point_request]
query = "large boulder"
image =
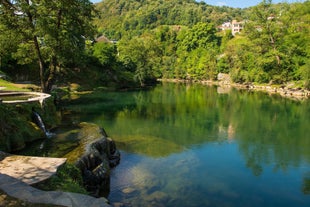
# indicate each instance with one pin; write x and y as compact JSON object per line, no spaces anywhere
{"x":94,"y":157}
{"x":224,"y":78}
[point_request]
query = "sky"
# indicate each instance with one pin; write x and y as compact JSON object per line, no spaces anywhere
{"x":235,"y":3}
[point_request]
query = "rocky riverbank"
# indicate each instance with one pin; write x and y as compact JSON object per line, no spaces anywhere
{"x":224,"y":81}
{"x":94,"y":157}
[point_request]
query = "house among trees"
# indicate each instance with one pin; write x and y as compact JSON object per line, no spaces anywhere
{"x":234,"y":26}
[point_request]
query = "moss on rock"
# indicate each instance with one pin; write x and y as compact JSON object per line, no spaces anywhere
{"x":17,"y":127}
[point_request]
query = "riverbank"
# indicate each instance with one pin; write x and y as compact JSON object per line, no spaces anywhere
{"x":287,"y":90}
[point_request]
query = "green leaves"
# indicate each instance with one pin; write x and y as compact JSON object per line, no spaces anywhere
{"x":202,"y":35}
{"x":105,"y":52}
{"x":53,"y":33}
{"x":197,"y":51}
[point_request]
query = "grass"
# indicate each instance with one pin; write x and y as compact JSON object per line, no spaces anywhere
{"x":8,"y":86}
{"x":68,"y":179}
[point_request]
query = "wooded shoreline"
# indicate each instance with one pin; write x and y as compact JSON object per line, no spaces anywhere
{"x":282,"y":90}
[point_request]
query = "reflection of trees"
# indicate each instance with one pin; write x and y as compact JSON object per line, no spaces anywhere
{"x":269,"y":130}
{"x":272,"y":131}
{"x":306,"y":184}
{"x":184,"y":115}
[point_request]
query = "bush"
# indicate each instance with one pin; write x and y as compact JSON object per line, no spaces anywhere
{"x":68,"y":179}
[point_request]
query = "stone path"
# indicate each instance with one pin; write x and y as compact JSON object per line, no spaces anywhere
{"x":18,"y":172}
{"x":23,"y":191}
{"x":30,"y":170}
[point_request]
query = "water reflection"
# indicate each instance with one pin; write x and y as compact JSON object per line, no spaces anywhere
{"x":267,"y":129}
{"x":306,"y":184}
{"x":191,"y":145}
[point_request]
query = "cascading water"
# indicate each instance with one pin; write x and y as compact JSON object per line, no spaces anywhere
{"x":39,"y":122}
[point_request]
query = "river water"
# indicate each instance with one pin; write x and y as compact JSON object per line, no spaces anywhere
{"x":195,"y":145}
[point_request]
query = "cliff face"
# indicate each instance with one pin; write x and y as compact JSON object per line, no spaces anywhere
{"x":17,"y":127}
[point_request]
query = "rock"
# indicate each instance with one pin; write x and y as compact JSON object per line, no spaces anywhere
{"x":21,"y":190}
{"x":224,"y":78}
{"x":128,"y":190}
{"x":158,"y":196}
{"x":94,"y":157}
{"x":30,"y":170}
{"x":117,"y":204}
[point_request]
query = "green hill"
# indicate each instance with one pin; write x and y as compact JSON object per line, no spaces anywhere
{"x":118,"y":18}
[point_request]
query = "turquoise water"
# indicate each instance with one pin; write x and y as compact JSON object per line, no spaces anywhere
{"x":194,"y":145}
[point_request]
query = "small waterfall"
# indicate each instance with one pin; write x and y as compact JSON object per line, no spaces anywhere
{"x":39,"y":122}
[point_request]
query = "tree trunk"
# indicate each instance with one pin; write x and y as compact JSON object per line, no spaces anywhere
{"x":274,"y":47}
{"x":37,"y":49}
{"x":41,"y":64}
{"x":51,"y":76}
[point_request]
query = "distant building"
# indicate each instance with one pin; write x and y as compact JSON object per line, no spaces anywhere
{"x":225,"y":26}
{"x":103,"y":38}
{"x":234,"y":26}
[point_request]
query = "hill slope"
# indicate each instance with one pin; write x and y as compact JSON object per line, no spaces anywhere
{"x":131,"y":17}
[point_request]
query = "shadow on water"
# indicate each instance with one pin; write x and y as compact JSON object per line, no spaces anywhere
{"x":64,"y":140}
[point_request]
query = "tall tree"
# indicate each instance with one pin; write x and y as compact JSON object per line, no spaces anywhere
{"x":266,"y":30}
{"x":197,"y":49}
{"x":143,"y":54}
{"x":53,"y":32}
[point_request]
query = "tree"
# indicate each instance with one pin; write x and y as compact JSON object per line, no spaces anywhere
{"x":267,"y":31}
{"x":200,"y":35}
{"x":53,"y":32}
{"x":144,"y":54}
{"x":8,"y":45}
{"x":296,"y":42}
{"x":197,"y":50}
{"x":105,"y":52}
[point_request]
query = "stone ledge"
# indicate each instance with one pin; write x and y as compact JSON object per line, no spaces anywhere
{"x":16,"y":188}
{"x":28,"y":169}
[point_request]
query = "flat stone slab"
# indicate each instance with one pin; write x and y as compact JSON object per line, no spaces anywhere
{"x":21,"y":190}
{"x":28,"y":169}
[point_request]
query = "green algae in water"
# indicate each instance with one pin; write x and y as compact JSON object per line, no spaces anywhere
{"x":147,"y":145}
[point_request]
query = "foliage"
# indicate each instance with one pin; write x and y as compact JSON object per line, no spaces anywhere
{"x":8,"y":86}
{"x":141,"y":55}
{"x":130,"y":18}
{"x":19,"y":116}
{"x":154,"y":39}
{"x":10,"y":120}
{"x":197,"y":49}
{"x":52,"y":33}
{"x":105,"y":53}
{"x":68,"y":178}
{"x":189,"y":47}
{"x":274,"y":46}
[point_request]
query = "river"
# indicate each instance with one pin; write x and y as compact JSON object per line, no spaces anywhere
{"x":194,"y":145}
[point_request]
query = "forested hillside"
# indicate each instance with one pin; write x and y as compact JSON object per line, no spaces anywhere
{"x":180,"y":39}
{"x":55,"y":42}
{"x":120,"y":17}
